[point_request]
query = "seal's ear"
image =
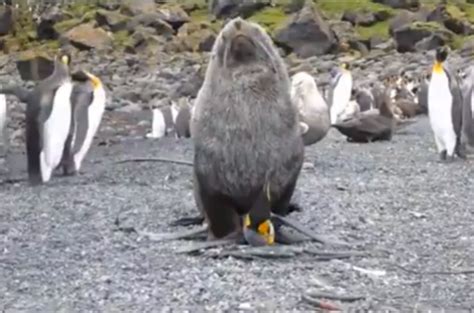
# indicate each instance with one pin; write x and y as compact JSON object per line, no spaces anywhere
{"x":304,"y":128}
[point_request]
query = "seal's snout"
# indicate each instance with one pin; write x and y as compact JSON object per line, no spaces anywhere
{"x":242,"y":48}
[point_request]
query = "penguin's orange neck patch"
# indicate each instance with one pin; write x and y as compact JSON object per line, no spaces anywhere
{"x":95,"y":81}
{"x":438,"y":68}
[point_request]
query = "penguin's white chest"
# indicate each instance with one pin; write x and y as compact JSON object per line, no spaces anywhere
{"x":55,"y":130}
{"x":440,"y":102}
{"x":341,"y":96}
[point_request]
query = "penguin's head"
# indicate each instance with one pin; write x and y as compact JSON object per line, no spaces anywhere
{"x":65,"y":58}
{"x":345,"y":66}
{"x":93,"y":79}
{"x":258,"y":233}
{"x":441,"y":54}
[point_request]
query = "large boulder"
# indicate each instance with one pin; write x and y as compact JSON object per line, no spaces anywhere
{"x":421,"y":36}
{"x":46,"y":25}
{"x":307,"y":34}
{"x":174,"y":15}
{"x":400,"y":4}
{"x":361,"y":17}
{"x":193,"y":37}
{"x":34,"y":66}
{"x":86,"y":37}
{"x":233,"y":8}
{"x":452,"y":18}
{"x":113,"y":20}
{"x":404,"y":18}
{"x":6,"y":20}
{"x":151,"y":20}
{"x":137,"y":7}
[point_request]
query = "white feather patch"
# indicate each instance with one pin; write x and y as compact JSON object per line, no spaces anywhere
{"x":341,"y":96}
{"x":158,"y":125}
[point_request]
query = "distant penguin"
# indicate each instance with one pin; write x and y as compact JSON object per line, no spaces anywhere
{"x":48,"y":118}
{"x":88,"y":104}
{"x":183,"y":118}
{"x":163,"y":120}
{"x":445,"y":108}
{"x":340,"y":93}
{"x":364,"y":99}
{"x":313,"y":109}
{"x":3,"y":125}
{"x":422,"y":94}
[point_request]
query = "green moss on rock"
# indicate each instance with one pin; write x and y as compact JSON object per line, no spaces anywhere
{"x":335,"y":9}
{"x":379,"y":30}
{"x":270,"y":18}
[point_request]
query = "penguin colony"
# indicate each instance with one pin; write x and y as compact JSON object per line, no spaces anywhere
{"x":237,"y":199}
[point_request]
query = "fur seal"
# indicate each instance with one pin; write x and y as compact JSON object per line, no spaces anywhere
{"x":314,"y":111}
{"x":88,"y":104}
{"x":445,"y":108}
{"x":370,"y":125}
{"x":246,"y":135}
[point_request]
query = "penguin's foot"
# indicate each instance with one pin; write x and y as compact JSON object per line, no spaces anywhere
{"x":188,"y":221}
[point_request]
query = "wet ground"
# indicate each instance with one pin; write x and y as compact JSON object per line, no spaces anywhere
{"x":61,"y":250}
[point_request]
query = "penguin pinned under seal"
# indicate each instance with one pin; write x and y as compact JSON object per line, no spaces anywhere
{"x":88,"y":104}
{"x":48,"y":118}
{"x":340,"y":93}
{"x":445,"y":105}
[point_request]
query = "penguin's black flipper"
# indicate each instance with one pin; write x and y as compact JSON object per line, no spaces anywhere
{"x":21,"y":93}
{"x":188,"y":221}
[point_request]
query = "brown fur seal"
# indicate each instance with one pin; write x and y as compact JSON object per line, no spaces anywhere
{"x":246,"y":136}
{"x":314,"y":111}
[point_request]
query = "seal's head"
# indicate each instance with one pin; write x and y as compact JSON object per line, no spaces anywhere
{"x":243,"y":49}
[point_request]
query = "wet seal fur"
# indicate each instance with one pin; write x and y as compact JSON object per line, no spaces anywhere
{"x":246,"y":134}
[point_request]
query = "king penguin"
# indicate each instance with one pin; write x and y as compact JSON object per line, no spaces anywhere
{"x":445,"y":106}
{"x":340,"y":93}
{"x":48,"y":118}
{"x":88,"y":104}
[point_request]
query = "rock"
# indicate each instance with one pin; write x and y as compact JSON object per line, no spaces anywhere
{"x":191,"y":86}
{"x":174,"y":15}
{"x":452,"y":18}
{"x":232,"y":8}
{"x":109,"y":5}
{"x":144,"y":40}
{"x":137,"y":7}
{"x":46,"y":26}
{"x":130,"y":108}
{"x":6,"y":20}
{"x":362,"y":18}
{"x":307,"y":34}
{"x":34,"y":66}
{"x":193,"y":37}
{"x":467,"y":48}
{"x":111,"y":19}
{"x":404,"y":18}
{"x":86,"y":36}
{"x":400,"y":4}
{"x":154,"y":21}
{"x":428,"y":34}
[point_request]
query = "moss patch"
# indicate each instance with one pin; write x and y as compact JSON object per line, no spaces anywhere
{"x":379,"y":30}
{"x":334,"y":9}
{"x":66,"y":25}
{"x":269,"y":18}
{"x":122,"y":39}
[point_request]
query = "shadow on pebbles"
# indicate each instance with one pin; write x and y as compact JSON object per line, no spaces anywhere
{"x":61,"y":248}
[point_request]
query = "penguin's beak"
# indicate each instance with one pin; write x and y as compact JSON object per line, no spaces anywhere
{"x":65,"y":59}
{"x":263,"y":235}
{"x":94,"y":80}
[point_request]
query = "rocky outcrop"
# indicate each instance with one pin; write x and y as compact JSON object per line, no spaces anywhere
{"x":86,"y":36}
{"x":452,"y":18}
{"x":153,"y":21}
{"x":404,"y":18}
{"x":137,"y":7}
{"x":421,"y":36}
{"x":46,"y":27}
{"x":6,"y":20}
{"x":362,"y":17}
{"x":307,"y":33}
{"x":112,"y":20}
{"x":232,"y":8}
{"x":34,"y":66}
{"x":174,"y":15}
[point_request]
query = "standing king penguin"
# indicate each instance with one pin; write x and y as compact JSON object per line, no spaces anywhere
{"x":48,"y":118}
{"x":340,"y":93}
{"x":88,"y":104}
{"x":445,"y":105}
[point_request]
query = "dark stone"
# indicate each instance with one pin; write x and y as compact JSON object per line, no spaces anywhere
{"x":233,"y":8}
{"x":112,"y":19}
{"x":420,"y":37}
{"x":174,"y":16}
{"x":45,"y":29}
{"x":6,"y":20}
{"x":307,"y":34}
{"x":362,"y":18}
{"x":404,"y":18}
{"x":34,"y":68}
{"x":400,"y":4}
{"x":151,"y":20}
